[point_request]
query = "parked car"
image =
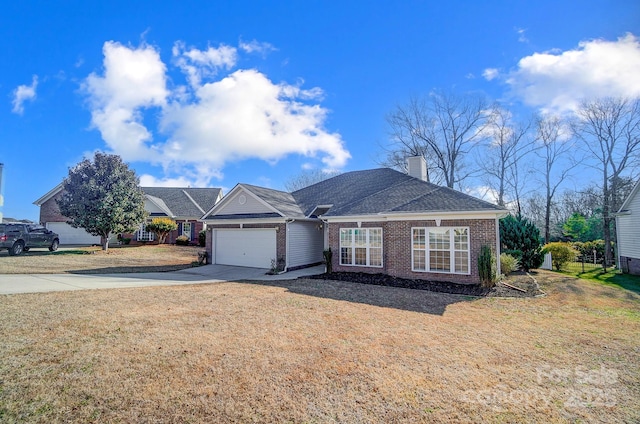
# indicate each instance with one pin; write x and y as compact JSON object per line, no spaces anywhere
{"x":18,"y":238}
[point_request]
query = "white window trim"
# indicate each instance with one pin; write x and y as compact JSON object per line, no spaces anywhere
{"x":368,"y":247}
{"x":452,"y":250}
{"x":143,"y":235}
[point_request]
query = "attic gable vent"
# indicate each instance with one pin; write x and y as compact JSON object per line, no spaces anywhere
{"x":320,"y":210}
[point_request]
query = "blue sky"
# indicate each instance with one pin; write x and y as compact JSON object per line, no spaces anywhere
{"x":216,"y":93}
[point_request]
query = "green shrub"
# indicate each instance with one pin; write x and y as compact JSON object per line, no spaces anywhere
{"x":202,"y":238}
{"x":518,"y":233}
{"x":182,"y":241}
{"x":561,"y":253}
{"x":517,"y":254}
{"x":486,"y":267}
{"x":508,"y":264}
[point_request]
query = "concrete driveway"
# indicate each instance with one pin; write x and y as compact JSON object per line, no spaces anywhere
{"x":37,"y":283}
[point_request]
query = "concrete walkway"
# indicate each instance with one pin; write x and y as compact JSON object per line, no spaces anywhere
{"x":37,"y":283}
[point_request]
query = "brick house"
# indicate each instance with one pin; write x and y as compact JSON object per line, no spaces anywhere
{"x":374,"y":221}
{"x":183,"y":205}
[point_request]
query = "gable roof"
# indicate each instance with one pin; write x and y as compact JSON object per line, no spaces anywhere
{"x":175,"y":202}
{"x":358,"y":193}
{"x":280,"y":203}
{"x":385,"y":190}
{"x":627,"y":201}
{"x":182,"y":202}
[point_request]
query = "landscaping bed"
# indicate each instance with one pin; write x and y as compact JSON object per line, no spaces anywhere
{"x":520,"y":280}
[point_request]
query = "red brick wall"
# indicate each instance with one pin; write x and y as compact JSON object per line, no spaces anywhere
{"x":50,"y":212}
{"x":397,"y":247}
{"x":281,"y":237}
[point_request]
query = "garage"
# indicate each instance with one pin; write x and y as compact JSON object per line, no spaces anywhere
{"x":70,"y":235}
{"x":251,"y":247}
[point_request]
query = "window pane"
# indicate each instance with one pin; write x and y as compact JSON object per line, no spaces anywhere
{"x":462,"y":262}
{"x":419,"y":261}
{"x":439,"y":239}
{"x":361,"y":256}
{"x":345,"y":256}
{"x":461,"y":238}
{"x":439,"y":260}
{"x":375,"y":256}
{"x":345,"y":237}
{"x":375,"y":237}
{"x":360,"y":238}
{"x":418,"y":238}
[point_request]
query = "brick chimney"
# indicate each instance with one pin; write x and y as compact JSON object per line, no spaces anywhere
{"x":417,"y":168}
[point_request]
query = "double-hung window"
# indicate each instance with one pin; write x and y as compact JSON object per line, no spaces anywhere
{"x":440,"y":249}
{"x":361,"y":246}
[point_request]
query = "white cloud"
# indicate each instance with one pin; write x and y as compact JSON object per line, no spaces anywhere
{"x":210,"y":122}
{"x":490,"y":73}
{"x":257,"y":47}
{"x":521,"y":35}
{"x":147,"y":180}
{"x":22,"y":94}
{"x":245,"y":115}
{"x":134,"y":79}
{"x":558,"y":81}
{"x":199,"y":64}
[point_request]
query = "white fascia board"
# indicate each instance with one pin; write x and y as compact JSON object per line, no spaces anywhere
{"x":246,"y":221}
{"x":418,"y":216}
{"x":57,"y":189}
{"x":239,"y":188}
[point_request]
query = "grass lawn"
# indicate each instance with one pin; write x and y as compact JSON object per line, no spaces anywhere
{"x":321,"y":351}
{"x":92,"y":260}
{"x":612,"y":277}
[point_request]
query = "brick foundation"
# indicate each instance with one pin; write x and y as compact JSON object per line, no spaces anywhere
{"x":630,"y":265}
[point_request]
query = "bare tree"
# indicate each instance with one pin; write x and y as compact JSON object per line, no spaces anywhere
{"x":552,"y":136}
{"x":307,"y":178}
{"x":441,"y":127}
{"x":610,"y":130}
{"x":502,"y":163}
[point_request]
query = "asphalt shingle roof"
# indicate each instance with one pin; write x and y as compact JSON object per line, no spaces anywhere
{"x":280,"y":200}
{"x":185,"y":202}
{"x":384,"y":190}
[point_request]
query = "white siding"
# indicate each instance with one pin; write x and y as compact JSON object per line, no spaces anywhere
{"x":628,"y":228}
{"x":305,"y":243}
{"x":235,"y":206}
{"x":151,"y":207}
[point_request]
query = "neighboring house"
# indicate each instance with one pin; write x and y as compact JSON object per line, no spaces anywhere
{"x":183,"y":205}
{"x":628,"y":232}
{"x":375,"y":221}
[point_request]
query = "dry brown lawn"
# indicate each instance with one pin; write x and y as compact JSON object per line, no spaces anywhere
{"x":320,"y":351}
{"x":92,"y":260}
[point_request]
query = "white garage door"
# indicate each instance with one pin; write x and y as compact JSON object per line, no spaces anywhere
{"x":246,"y":247}
{"x":70,"y":235}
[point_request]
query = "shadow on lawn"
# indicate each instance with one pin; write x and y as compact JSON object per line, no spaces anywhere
{"x":131,"y":269}
{"x":386,"y":297}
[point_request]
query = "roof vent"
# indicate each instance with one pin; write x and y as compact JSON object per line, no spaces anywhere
{"x":417,"y":168}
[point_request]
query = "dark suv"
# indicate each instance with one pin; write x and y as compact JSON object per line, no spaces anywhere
{"x":18,"y":238}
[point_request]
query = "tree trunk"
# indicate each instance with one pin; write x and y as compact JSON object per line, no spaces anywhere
{"x":606,"y":220}
{"x":104,"y":241}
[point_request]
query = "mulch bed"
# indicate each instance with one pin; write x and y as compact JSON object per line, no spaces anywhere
{"x":521,"y":280}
